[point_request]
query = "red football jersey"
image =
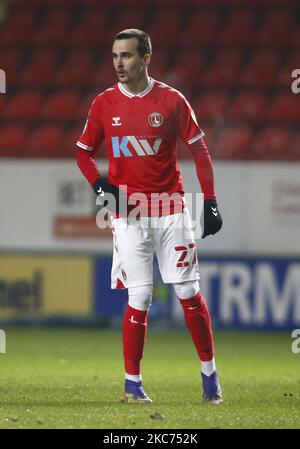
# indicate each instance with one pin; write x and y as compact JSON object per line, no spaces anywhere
{"x":140,"y":133}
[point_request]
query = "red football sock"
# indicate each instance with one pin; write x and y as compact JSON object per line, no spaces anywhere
{"x":198,"y":321}
{"x":134,"y":335}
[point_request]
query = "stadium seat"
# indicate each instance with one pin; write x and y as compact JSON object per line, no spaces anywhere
{"x":201,"y":28}
{"x":210,"y":107}
{"x":272,"y":143}
{"x":254,"y":75}
{"x":68,"y":148}
{"x":165,"y":26}
{"x":127,"y":18}
{"x":60,"y":106}
{"x":18,"y":27}
{"x":238,"y":30}
{"x":13,"y":141}
{"x":233,"y":143}
{"x":261,"y":70}
{"x":295,"y":147}
{"x":11,"y":60}
{"x":276,"y":28}
{"x":188,"y":66}
{"x":3,"y":103}
{"x":62,"y":17}
{"x":103,"y":76}
{"x":48,"y":34}
{"x":45,"y":142}
{"x":285,"y":108}
{"x":220,"y":75}
{"x":40,"y":68}
{"x":91,"y":30}
{"x":76,"y":69}
{"x":248,"y":107}
{"x":25,"y":106}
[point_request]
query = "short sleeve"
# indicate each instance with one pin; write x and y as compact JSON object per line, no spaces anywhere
{"x":187,"y":125}
{"x":93,"y":133}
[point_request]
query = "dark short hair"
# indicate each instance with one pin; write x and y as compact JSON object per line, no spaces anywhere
{"x":144,"y":41}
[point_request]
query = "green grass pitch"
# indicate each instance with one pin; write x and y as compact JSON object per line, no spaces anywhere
{"x":73,"y":379}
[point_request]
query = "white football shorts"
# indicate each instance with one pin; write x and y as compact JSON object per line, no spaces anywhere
{"x":136,"y":241}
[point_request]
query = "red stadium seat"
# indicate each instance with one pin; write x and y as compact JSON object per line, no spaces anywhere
{"x":92,"y":29}
{"x":220,"y":75}
{"x":3,"y":103}
{"x":46,"y":142}
{"x":23,"y":106}
{"x":188,"y":66}
{"x":13,"y":141}
{"x":58,"y":17}
{"x":295,"y":147}
{"x":272,"y":143}
{"x":239,"y":28}
{"x":258,"y":76}
{"x":201,"y":28}
{"x":276,"y":28}
{"x":261,"y":70}
{"x":40,"y":68}
{"x":103,"y":76}
{"x":48,"y":34}
{"x":210,"y":107}
{"x":10,"y":62}
{"x":61,"y":106}
{"x":222,"y":70}
{"x":285,"y":108}
{"x":76,"y":69}
{"x":233,"y":143}
{"x":69,"y":141}
{"x":128,"y":18}
{"x":227,"y":57}
{"x":18,"y":27}
{"x":249,"y":107}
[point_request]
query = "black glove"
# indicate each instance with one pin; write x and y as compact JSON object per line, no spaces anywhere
{"x":104,"y":190}
{"x":212,"y":218}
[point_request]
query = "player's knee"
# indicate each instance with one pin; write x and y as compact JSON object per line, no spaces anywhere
{"x":186,"y":290}
{"x":140,"y":298}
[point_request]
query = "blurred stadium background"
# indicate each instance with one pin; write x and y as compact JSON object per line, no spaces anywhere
{"x":233,"y":60}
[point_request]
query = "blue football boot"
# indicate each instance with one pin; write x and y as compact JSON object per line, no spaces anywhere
{"x":134,"y":392}
{"x":212,"y":393}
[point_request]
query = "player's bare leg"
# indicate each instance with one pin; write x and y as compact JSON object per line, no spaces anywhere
{"x":198,"y":321}
{"x":134,"y":336}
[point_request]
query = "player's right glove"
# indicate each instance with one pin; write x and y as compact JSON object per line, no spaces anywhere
{"x":212,"y":218}
{"x":109,"y":195}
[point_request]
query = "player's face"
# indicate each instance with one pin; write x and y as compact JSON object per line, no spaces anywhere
{"x":128,"y":63}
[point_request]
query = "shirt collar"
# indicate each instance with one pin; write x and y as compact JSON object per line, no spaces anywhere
{"x":141,"y":94}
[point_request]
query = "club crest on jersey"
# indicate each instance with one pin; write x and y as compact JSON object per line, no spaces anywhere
{"x":155,"y":119}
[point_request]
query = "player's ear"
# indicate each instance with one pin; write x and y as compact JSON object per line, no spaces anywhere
{"x":147,"y":58}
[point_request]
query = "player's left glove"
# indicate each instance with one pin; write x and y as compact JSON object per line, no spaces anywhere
{"x":212,"y":218}
{"x":103,"y":189}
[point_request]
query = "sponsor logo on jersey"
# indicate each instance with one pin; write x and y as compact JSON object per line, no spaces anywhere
{"x":139,"y":146}
{"x":116,"y":121}
{"x":155,"y":119}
